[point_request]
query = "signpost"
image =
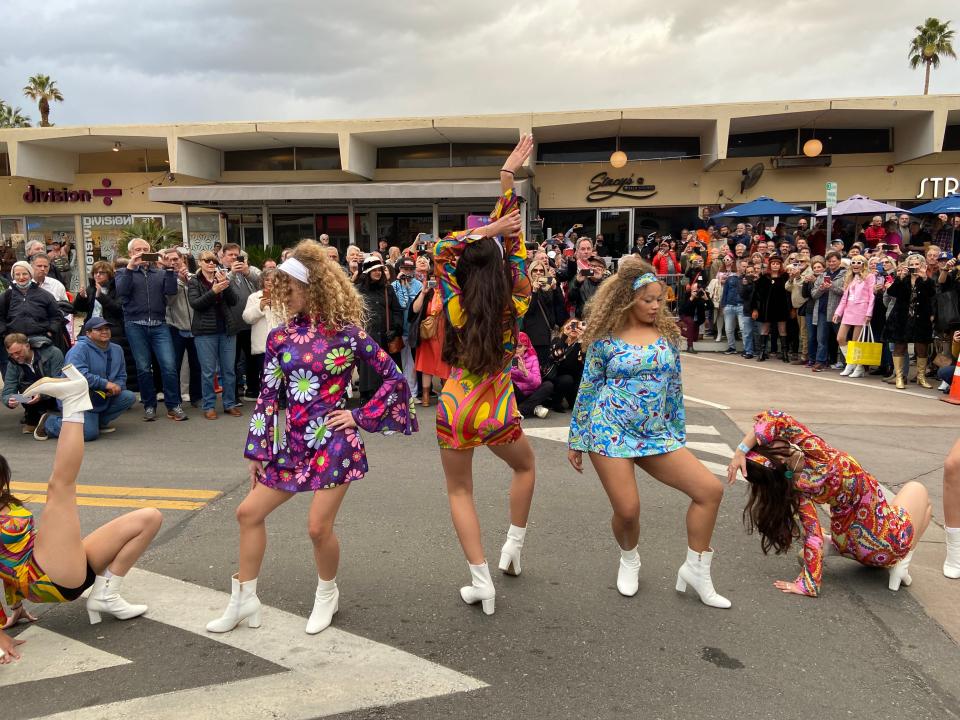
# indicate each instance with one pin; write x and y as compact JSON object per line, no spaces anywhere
{"x":831,"y":204}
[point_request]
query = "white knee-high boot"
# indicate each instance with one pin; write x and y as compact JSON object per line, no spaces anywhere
{"x":481,"y":589}
{"x":696,"y":572}
{"x":326,"y":602}
{"x":105,"y":598}
{"x":510,"y":552}
{"x":244,"y":605}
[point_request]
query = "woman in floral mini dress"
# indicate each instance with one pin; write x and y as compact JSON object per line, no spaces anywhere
{"x":317,"y":447}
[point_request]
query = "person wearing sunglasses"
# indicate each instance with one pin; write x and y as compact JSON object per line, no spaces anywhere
{"x":854,"y":310}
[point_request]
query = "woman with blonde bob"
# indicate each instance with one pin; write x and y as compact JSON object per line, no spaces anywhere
{"x":629,"y":412}
{"x":855,"y":309}
{"x":317,"y":447}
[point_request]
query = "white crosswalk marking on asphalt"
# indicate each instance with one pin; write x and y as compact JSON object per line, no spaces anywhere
{"x":714,"y":448}
{"x":51,"y":655}
{"x":333,"y":672}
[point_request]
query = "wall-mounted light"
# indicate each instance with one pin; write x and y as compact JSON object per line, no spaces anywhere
{"x":116,"y":147}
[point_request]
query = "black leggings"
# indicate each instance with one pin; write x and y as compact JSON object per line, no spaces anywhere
{"x":564,"y":388}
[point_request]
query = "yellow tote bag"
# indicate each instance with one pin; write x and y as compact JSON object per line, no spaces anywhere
{"x":864,"y":351}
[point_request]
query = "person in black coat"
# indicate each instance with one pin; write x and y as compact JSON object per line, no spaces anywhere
{"x":693,"y":303}
{"x":28,"y":309}
{"x":911,"y":319}
{"x":546,"y":313}
{"x":384,"y":318}
{"x":773,"y":306}
{"x":566,"y":368}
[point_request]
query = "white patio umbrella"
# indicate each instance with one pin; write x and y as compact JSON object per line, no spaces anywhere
{"x":861,"y":205}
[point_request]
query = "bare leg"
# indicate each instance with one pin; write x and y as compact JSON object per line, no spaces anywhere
{"x":842,"y":336}
{"x":120,"y":543}
{"x":427,"y":384}
{"x":681,"y":470}
{"x":618,"y":477}
{"x":323,"y":513}
{"x":58,"y":547}
{"x":252,"y":515}
{"x":458,"y":469}
{"x":519,"y":456}
{"x":951,"y":487}
{"x":913,"y":498}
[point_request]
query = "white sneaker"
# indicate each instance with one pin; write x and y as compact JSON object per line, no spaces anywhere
{"x":541,"y":412}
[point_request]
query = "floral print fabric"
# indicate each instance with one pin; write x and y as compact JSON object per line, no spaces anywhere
{"x":630,"y":401}
{"x":313,"y":365}
{"x":863,"y":525}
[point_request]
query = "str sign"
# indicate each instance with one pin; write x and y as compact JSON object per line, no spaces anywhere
{"x":52,"y":195}
{"x":950,"y":186}
{"x":603,"y":187}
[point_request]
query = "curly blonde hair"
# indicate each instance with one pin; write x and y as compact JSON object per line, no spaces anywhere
{"x":608,"y":310}
{"x":330,"y":298}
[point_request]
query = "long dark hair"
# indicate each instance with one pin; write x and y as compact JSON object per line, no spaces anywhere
{"x":772,"y":506}
{"x":486,"y":285}
{"x":6,"y":498}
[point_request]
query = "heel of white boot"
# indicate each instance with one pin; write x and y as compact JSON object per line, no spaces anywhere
{"x":488,"y":606}
{"x":95,"y":617}
{"x":481,"y":589}
{"x":510,"y":552}
{"x":681,"y":584}
{"x":506,"y":564}
{"x":254,"y":620}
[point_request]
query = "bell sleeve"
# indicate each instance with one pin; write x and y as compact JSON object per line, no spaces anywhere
{"x":594,"y":376}
{"x":809,"y":578}
{"x":391,"y":408}
{"x":264,"y":435}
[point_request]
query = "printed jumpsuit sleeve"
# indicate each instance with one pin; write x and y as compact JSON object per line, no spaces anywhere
{"x":263,"y":435}
{"x":391,"y":409}
{"x":810,"y":576}
{"x":673,"y":407}
{"x":515,"y":250}
{"x":594,"y":376}
{"x":772,"y":424}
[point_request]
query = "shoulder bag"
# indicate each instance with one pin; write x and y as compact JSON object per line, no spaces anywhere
{"x":394,"y":345}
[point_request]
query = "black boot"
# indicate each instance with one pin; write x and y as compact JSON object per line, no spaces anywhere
{"x":784,"y":353}
{"x":764,"y":340}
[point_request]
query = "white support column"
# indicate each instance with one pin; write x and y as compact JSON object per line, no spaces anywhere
{"x":351,"y":226}
{"x":185,"y":226}
{"x":267,"y":226}
{"x":222,"y":227}
{"x":436,"y":221}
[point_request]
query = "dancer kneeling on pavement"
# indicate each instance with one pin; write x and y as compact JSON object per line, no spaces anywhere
{"x":629,"y":411}
{"x":485,"y":290}
{"x":790,"y":470}
{"x":52,"y":562}
{"x":312,"y":356}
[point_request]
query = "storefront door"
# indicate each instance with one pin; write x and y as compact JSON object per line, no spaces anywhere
{"x":13,"y":236}
{"x":616,"y":227}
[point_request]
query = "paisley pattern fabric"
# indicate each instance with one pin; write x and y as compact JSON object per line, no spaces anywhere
{"x":863,"y":525}
{"x":478,"y":410}
{"x":630,"y":401}
{"x":22,"y":578}
{"x":313,"y":365}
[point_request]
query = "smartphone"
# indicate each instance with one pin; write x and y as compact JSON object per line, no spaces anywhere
{"x":150,"y":257}
{"x":266,"y":294}
{"x":426,"y":238}
{"x":431,"y":284}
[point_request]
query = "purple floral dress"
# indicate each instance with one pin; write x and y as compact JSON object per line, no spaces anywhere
{"x":314,"y":365}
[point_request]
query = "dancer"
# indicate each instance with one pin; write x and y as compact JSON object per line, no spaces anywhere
{"x":52,"y":563}
{"x":790,"y":470}
{"x":485,"y":290}
{"x":317,"y":449}
{"x":951,"y":512}
{"x":629,"y":411}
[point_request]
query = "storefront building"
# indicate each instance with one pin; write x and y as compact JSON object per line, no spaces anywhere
{"x":273,"y":183}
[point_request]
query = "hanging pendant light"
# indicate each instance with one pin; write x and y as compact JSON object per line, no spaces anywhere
{"x":812,"y":147}
{"x":618,"y":159}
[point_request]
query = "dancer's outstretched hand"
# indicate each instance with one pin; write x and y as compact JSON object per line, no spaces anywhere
{"x":340,"y":420}
{"x":789,"y":587}
{"x":17,"y":614}
{"x":8,"y":648}
{"x":520,"y":154}
{"x":508,"y":226}
{"x":575,"y":457}
{"x":739,"y":462}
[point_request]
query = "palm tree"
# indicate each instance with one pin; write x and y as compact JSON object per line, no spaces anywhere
{"x":933,"y":39}
{"x":153,"y":232}
{"x":42,"y":89}
{"x":12,"y":117}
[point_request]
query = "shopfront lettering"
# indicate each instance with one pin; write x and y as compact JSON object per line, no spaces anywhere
{"x":99,"y":238}
{"x":950,"y":186}
{"x":34,"y":194}
{"x":603,"y":187}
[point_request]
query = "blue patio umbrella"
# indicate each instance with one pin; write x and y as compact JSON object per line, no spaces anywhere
{"x":761,"y":207}
{"x":949,"y":205}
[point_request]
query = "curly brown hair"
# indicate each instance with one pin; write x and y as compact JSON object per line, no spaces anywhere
{"x":330,"y":298}
{"x":608,"y":310}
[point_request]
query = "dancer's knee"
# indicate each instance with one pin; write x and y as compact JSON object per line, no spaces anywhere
{"x":320,"y":531}
{"x":248,"y":514}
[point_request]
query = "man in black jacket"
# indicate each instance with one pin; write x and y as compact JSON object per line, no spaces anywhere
{"x":585,"y":283}
{"x":30,"y":360}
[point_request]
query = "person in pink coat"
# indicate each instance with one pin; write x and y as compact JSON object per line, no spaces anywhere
{"x":532,"y":392}
{"x":855,"y":309}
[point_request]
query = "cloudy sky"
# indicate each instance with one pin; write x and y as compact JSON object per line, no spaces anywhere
{"x":130,"y":61}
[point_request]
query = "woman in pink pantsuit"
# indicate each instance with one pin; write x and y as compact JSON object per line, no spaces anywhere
{"x":855,"y":309}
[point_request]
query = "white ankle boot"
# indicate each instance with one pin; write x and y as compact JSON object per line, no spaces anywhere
{"x":105,"y":598}
{"x":900,"y":573}
{"x":244,"y":605}
{"x":628,"y":576}
{"x":858,"y":371}
{"x":951,"y":565}
{"x":72,"y":390}
{"x":481,"y":589}
{"x":510,"y":552}
{"x":696,"y":572}
{"x":326,"y":602}
{"x":848,"y":370}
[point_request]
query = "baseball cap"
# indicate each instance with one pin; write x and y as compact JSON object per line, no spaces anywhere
{"x":407,"y":264}
{"x":93,"y":324}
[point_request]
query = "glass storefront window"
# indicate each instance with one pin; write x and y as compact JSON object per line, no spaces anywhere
{"x":480,"y":154}
{"x":317,"y":158}
{"x":271,"y":159}
{"x":401,"y":228}
{"x":101,"y":239}
{"x":451,"y":221}
{"x":758,"y":144}
{"x":13,"y":236}
{"x":4,"y":164}
{"x":288,"y":230}
{"x":204,"y":229}
{"x":559,"y":221}
{"x":414,"y":156}
{"x":124,"y":161}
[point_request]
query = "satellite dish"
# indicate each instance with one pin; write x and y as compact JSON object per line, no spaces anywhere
{"x":750,"y":177}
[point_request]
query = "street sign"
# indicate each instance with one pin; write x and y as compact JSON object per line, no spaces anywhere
{"x":831,"y":194}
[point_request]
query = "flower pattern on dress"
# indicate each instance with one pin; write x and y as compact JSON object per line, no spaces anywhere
{"x":299,"y":452}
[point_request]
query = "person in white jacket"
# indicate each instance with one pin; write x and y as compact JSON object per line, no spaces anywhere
{"x":258,"y":313}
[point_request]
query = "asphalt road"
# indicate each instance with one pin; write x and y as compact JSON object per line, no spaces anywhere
{"x":563,"y":643}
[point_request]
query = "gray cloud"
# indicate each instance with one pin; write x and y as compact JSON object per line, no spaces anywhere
{"x":193,"y":60}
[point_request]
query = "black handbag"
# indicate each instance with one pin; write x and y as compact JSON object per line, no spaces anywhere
{"x":553,"y":369}
{"x":947,"y":311}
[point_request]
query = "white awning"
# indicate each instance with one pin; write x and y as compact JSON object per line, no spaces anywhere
{"x":341,"y":193}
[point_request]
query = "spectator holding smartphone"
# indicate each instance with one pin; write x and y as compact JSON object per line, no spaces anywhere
{"x":566,"y":368}
{"x":428,"y":326}
{"x":585,"y":283}
{"x":910,"y":320}
{"x":547,"y":309}
{"x":533,"y":393}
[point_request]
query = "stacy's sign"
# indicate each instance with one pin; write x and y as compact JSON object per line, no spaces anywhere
{"x":603,"y":187}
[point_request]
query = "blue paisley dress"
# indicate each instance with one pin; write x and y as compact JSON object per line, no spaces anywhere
{"x":630,"y":401}
{"x":313,"y":365}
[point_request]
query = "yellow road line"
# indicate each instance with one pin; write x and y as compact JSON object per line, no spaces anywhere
{"x":122,"y":491}
{"x":121,"y":502}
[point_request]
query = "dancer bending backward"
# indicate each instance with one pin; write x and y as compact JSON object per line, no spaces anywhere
{"x":52,"y":563}
{"x":485,"y":290}
{"x":317,"y":449}
{"x":790,"y":470}
{"x":629,"y":411}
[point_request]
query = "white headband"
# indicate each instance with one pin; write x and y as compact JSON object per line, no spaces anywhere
{"x":295,"y":269}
